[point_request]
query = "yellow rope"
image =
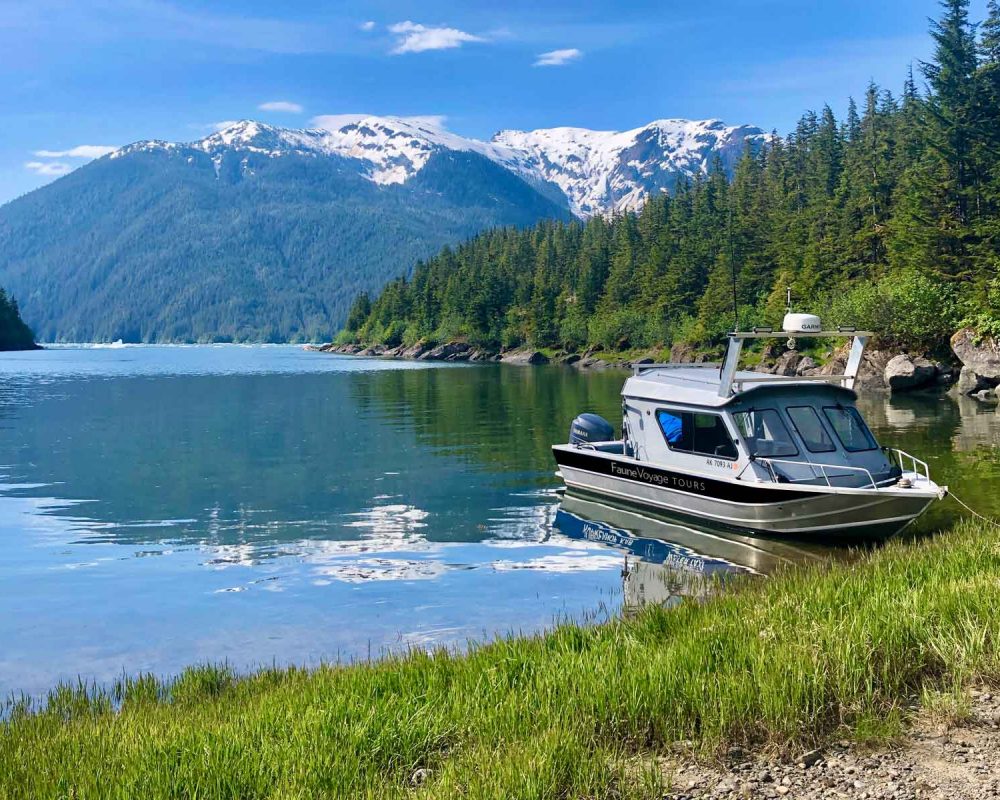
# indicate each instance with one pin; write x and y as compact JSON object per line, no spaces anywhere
{"x":972,"y":511}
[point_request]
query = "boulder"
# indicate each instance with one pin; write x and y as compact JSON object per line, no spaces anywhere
{"x":904,"y":373}
{"x":681,"y":354}
{"x":445,"y":352}
{"x":982,"y":356}
{"x":788,"y":363}
{"x":985,"y":395}
{"x":572,"y":358}
{"x":524,"y":357}
{"x":969,"y":382}
{"x":416,"y":350}
{"x":807,"y":366}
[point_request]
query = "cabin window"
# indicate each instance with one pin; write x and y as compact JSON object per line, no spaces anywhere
{"x":806,"y":421}
{"x":691,"y":432}
{"x":765,"y":433}
{"x":850,"y":428}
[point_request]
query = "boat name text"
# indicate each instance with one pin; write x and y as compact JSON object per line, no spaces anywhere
{"x":658,"y":478}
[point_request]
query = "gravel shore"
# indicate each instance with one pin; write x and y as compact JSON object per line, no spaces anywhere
{"x":951,"y":761}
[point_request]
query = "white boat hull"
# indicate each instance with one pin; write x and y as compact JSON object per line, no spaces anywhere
{"x":770,"y":509}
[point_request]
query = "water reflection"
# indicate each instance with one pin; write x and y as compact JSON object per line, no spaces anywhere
{"x":663,"y":562}
{"x":168,"y":505}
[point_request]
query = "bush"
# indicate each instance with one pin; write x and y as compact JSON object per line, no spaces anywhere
{"x":618,"y":330}
{"x":906,"y":309}
{"x":983,"y":314}
{"x":573,"y":331}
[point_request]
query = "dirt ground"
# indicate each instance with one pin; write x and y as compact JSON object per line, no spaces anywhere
{"x":936,"y":760}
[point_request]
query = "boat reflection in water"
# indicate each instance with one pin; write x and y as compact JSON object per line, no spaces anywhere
{"x":665,"y":562}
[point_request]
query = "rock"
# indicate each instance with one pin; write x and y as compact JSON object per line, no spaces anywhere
{"x":645,"y":360}
{"x":982,"y":356}
{"x":416,"y":351}
{"x":445,"y":352}
{"x":788,"y":363}
{"x":524,"y":357}
{"x":682,"y":354}
{"x":904,"y":373}
{"x":572,"y":358}
{"x":806,"y":366}
{"x":969,"y":382}
{"x":811,"y":758}
{"x":420,"y":776}
{"x":985,"y":396}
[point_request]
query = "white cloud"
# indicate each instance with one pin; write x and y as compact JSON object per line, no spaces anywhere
{"x":411,"y":37}
{"x":281,"y":105}
{"x":367,"y":26}
{"x":221,"y":126}
{"x":80,"y":151}
{"x":50,"y":168}
{"x":556,"y":58}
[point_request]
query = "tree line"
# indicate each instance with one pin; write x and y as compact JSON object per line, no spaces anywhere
{"x":889,"y":218}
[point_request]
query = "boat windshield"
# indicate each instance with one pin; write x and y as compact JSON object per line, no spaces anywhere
{"x":806,"y":421}
{"x":765,"y":433}
{"x":850,"y":428}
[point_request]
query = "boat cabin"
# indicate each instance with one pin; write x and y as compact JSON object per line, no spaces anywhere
{"x":776,"y":430}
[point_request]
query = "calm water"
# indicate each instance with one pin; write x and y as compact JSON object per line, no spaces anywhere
{"x":168,"y":505}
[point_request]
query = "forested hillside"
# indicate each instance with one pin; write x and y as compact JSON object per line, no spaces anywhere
{"x":14,"y":334}
{"x":888,"y":218}
{"x":171,"y":243}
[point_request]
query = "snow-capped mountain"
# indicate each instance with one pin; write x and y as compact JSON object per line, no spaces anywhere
{"x":257,"y":232}
{"x":601,"y":171}
{"x":596,"y":171}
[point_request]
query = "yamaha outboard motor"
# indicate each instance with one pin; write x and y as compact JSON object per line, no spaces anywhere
{"x":590,"y":429}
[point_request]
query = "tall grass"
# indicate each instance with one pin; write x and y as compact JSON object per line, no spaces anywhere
{"x":577,"y":712}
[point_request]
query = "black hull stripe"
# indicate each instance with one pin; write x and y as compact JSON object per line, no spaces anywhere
{"x":748,"y":493}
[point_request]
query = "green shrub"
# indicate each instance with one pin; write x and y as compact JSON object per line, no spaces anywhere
{"x":983,"y":313}
{"x":573,"y":333}
{"x":618,"y":330}
{"x":906,"y":309}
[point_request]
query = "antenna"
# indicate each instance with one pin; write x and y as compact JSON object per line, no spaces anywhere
{"x":790,"y":344}
{"x":732,"y":269}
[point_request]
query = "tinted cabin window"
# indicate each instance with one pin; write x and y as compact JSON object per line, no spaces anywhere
{"x":765,"y":433}
{"x":810,"y":428}
{"x":850,"y":428}
{"x":689,"y":432}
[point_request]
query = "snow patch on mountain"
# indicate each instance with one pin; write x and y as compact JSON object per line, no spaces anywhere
{"x":601,"y":171}
{"x":597,"y":171}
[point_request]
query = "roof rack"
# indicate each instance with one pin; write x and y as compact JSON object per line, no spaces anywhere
{"x":736,"y":339}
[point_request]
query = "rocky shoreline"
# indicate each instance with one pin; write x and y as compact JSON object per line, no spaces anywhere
{"x":974,"y":370}
{"x":951,"y":758}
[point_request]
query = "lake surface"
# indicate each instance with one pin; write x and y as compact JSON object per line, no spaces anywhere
{"x":162,"y":506}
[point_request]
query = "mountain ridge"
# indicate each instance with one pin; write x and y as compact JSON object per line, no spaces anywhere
{"x":258,"y":232}
{"x":597,"y":171}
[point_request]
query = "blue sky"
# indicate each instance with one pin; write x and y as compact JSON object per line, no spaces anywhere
{"x":80,"y":75}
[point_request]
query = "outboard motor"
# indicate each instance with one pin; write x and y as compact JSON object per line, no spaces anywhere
{"x":590,"y":429}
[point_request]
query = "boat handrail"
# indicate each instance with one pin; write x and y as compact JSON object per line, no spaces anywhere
{"x":768,"y":461}
{"x":791,"y":379}
{"x":915,"y":462}
{"x":638,"y":369}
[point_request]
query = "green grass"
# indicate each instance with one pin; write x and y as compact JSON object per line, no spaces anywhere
{"x":578,"y":712}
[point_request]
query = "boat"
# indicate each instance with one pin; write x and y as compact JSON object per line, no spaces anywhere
{"x":752,"y":453}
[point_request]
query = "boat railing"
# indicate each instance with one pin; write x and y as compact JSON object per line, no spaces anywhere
{"x":918,"y":467}
{"x":639,"y":369}
{"x":770,"y":462}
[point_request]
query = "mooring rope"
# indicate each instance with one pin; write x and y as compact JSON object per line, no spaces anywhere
{"x":988,"y":520}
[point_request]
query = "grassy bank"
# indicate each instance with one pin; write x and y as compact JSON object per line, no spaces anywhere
{"x":784,"y":662}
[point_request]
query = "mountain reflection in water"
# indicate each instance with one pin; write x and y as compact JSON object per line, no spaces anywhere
{"x":163,"y":506}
